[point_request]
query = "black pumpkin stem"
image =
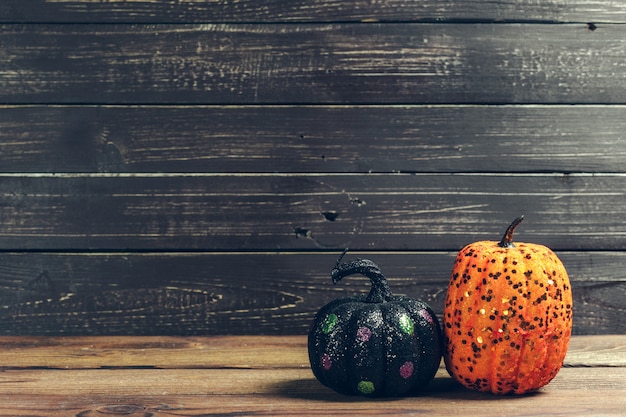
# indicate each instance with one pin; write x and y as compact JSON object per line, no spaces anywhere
{"x":380,"y":291}
{"x":507,"y":239}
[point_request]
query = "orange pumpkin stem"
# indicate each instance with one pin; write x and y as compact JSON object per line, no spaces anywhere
{"x":507,"y":239}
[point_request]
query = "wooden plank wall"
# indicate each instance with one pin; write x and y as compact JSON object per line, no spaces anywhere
{"x":195,"y":168}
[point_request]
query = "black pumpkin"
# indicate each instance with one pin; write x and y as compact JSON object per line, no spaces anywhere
{"x":376,"y":345}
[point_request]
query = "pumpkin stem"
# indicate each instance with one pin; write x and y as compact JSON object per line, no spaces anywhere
{"x":507,"y":239}
{"x":380,"y":291}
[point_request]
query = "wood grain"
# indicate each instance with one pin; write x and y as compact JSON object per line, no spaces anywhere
{"x":194,"y":168}
{"x":222,"y":352}
{"x":326,"y":211}
{"x":162,"y":11}
{"x":290,"y":392}
{"x":244,"y":293}
{"x":241,"y":376}
{"x":232,"y":382}
{"x":358,"y":139}
{"x":312,"y":63}
{"x":157,"y":352}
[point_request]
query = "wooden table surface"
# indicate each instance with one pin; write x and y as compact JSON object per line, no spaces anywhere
{"x":267,"y":376}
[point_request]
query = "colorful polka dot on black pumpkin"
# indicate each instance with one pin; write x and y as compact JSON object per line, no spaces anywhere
{"x":366,"y":387}
{"x":329,"y":323}
{"x":406,"y":370}
{"x":326,"y":361}
{"x":406,"y":324}
{"x":426,"y":315}
{"x":363,"y":334}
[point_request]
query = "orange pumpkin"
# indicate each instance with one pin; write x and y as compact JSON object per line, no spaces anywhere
{"x":507,"y":316}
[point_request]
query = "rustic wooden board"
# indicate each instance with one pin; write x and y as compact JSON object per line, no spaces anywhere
{"x":244,"y":376}
{"x":195,"y":167}
{"x":296,"y":212}
{"x":244,"y":293}
{"x":374,"y":138}
{"x":312,"y":63}
{"x":221,"y":352}
{"x":161,"y":11}
{"x":285,"y":392}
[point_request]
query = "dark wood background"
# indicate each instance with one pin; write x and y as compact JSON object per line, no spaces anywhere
{"x":191,"y":168}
